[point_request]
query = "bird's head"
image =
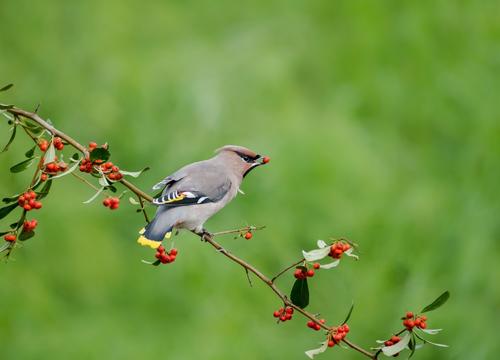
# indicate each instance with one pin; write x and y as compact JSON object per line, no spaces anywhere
{"x":240,"y":159}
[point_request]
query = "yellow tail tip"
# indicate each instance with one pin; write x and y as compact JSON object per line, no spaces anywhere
{"x":142,"y":231}
{"x":146,"y":242}
{"x":168,"y":235}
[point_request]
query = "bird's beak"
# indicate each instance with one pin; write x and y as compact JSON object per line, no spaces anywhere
{"x":262,"y":160}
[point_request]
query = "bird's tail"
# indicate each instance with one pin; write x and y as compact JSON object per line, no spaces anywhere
{"x":153,"y":234}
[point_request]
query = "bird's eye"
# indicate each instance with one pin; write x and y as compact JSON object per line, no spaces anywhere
{"x":246,"y":158}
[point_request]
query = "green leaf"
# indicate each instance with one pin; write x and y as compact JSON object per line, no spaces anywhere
{"x":133,"y":201}
{"x":12,"y":137}
{"x":6,"y":210}
{"x":30,"y":152}
{"x":5,"y":106}
{"x":412,"y":344}
{"x":94,"y":196}
{"x":300,"y":293}
{"x":25,"y":235}
{"x":4,"y":233}
{"x":99,"y":154}
{"x":134,"y":173}
{"x":45,"y":190}
{"x":398,"y":347}
{"x":50,"y":154}
{"x":19,"y":222}
{"x":437,"y":303}
{"x":154,"y":263}
{"x":10,"y":199}
{"x":75,"y":157}
{"x":23,"y":165}
{"x":68,"y":171}
{"x":349,"y":314}
{"x":6,"y":87}
{"x":32,"y":127}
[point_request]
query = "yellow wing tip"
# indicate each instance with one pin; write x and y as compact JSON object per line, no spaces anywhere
{"x":146,"y":242}
{"x":168,"y":235}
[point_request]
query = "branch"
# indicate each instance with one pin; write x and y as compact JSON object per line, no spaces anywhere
{"x":209,"y":238}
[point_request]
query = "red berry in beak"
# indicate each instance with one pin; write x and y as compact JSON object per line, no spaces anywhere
{"x":266,"y":159}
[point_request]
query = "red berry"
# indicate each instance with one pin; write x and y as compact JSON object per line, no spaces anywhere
{"x":160,"y":249}
{"x":10,"y":237}
{"x":317,"y":327}
{"x":423,"y":325}
{"x":27,"y":207}
{"x":410,"y":324}
{"x":388,"y":343}
{"x":331,"y":343}
{"x":395,"y":339}
{"x":316,"y":266}
{"x":43,"y":177}
{"x":310,"y":273}
{"x":424,"y":318}
{"x":311,"y":324}
{"x":173,"y":251}
{"x":276,"y":314}
{"x":38,"y":205}
{"x":115,"y":169}
{"x":158,"y":255}
{"x":92,"y":145}
{"x":322,"y":321}
{"x":409,"y":315}
{"x":266,"y":159}
{"x":164,"y":258}
{"x":346,"y":247}
{"x":106,"y":202}
{"x":248,"y":235}
{"x":338,"y":337}
{"x":289,"y":310}
{"x":43,"y":145}
{"x":298,"y":273}
{"x":114,"y":206}
{"x":288,"y":316}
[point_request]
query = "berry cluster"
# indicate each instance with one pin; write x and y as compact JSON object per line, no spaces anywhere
{"x":86,"y":165}
{"x":302,"y":272}
{"x":55,"y":167}
{"x":284,"y":314}
{"x":111,"y":202}
{"x":338,"y":249}
{"x":111,"y":171}
{"x":10,"y":237}
{"x":165,"y":257}
{"x":58,"y":143}
{"x":30,"y":225}
{"x":28,"y":201}
{"x":411,"y":320}
{"x":393,"y":340}
{"x":314,"y":325}
{"x":340,"y":334}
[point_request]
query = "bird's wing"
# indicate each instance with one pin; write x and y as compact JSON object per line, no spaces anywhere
{"x":197,"y":183}
{"x":178,"y":175}
{"x":187,"y":195}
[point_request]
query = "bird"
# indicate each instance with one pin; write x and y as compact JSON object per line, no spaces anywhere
{"x":197,"y":191}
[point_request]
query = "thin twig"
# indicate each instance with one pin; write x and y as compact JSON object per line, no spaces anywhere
{"x":209,"y":238}
{"x":286,"y":269}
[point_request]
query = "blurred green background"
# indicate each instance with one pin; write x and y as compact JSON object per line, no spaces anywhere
{"x":382,"y":122}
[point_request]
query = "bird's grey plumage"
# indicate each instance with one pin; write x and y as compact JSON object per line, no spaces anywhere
{"x":197,"y":191}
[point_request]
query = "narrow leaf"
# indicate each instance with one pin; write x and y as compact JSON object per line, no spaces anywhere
{"x":6,"y":210}
{"x":349,"y":314}
{"x":300,"y":293}
{"x":321,"y":244}
{"x":50,"y":154}
{"x":314,"y":352}
{"x":23,"y":165}
{"x":11,"y":139}
{"x":398,"y":347}
{"x":44,"y":191}
{"x":69,"y":171}
{"x":437,"y":303}
{"x":154,"y":263}
{"x":431,"y":331}
{"x":349,"y":252}
{"x":94,"y":196}
{"x":411,"y":345}
{"x":6,"y":87}
{"x":30,"y":152}
{"x":134,"y":173}
{"x":25,"y":235}
{"x":133,"y":201}
{"x":330,"y":265}
{"x":316,"y":254}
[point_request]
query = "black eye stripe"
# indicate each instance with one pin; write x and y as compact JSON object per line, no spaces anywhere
{"x":246,"y":158}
